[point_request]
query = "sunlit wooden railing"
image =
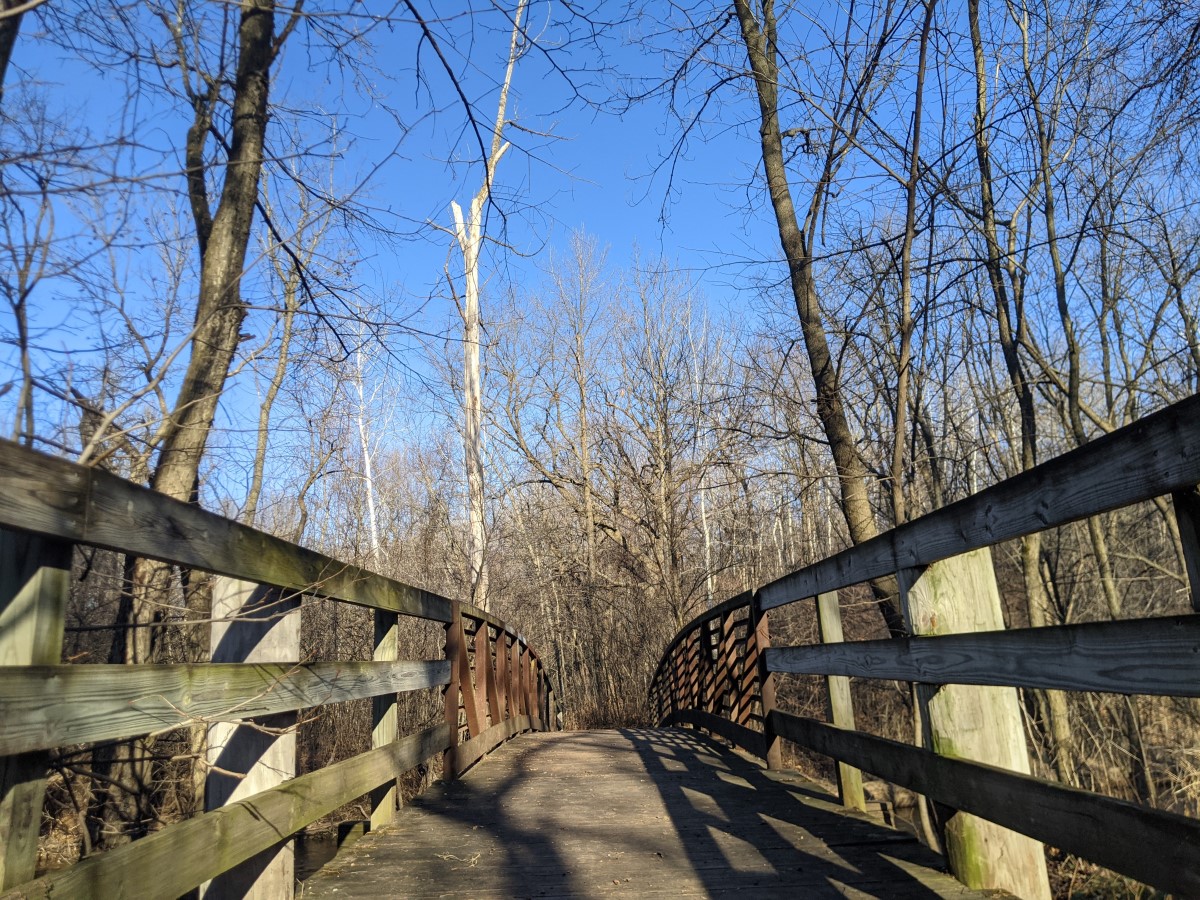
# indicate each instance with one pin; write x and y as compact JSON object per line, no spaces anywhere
{"x":718,"y":674}
{"x":495,"y":685}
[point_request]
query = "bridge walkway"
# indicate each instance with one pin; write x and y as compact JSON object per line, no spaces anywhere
{"x":630,"y":813}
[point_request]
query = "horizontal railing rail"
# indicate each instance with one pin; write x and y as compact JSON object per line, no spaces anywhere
{"x":704,"y":674}
{"x":496,"y":686}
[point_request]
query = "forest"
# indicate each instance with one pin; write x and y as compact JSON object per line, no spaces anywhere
{"x":316,"y":266}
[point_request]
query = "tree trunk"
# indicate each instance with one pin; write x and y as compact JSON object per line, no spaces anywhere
{"x":220,"y":312}
{"x":761,"y":51}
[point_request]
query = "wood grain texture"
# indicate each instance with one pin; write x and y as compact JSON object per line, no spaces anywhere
{"x":252,"y":624}
{"x":976,"y":722}
{"x":1158,"y":848}
{"x":35,"y":581}
{"x":171,"y":862}
{"x":57,"y":498}
{"x":1158,"y":656}
{"x":385,"y":723}
{"x":841,"y":703}
{"x":470,"y":752}
{"x":52,"y":706}
{"x":1156,"y":455}
{"x":632,"y":813}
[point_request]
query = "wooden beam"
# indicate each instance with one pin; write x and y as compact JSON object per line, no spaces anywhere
{"x":1158,"y":656}
{"x":35,"y":579}
{"x":252,"y":624}
{"x":385,"y":723}
{"x":463,"y":664}
{"x":43,"y":707}
{"x":62,"y":500}
{"x":450,"y":698}
{"x":481,"y":664}
{"x":470,"y":752}
{"x":841,"y":703}
{"x":489,"y":673}
{"x":1156,"y":455}
{"x":1157,"y":848}
{"x":980,"y":723}
{"x":772,"y":746}
{"x":169,"y":863}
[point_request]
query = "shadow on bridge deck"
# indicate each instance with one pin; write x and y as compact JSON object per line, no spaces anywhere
{"x":634,"y":813}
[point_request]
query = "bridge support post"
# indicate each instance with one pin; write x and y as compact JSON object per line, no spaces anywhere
{"x":385,"y":724}
{"x":453,"y":650}
{"x":35,"y":578}
{"x":760,"y":625}
{"x":841,"y":704}
{"x":973,"y":722}
{"x":252,"y":624}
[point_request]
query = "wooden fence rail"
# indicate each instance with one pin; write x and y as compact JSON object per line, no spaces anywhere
{"x":943,"y":566}
{"x":495,"y":686}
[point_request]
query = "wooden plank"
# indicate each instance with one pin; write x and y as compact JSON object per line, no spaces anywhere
{"x":514,"y":681}
{"x":450,"y":698}
{"x":632,"y":813}
{"x":772,"y":749}
{"x":385,"y":723}
{"x":1157,"y":455}
{"x":1159,"y":656}
{"x":489,"y":675}
{"x":502,"y":692}
{"x":59,"y":499}
{"x":527,"y":686}
{"x":465,"y":687}
{"x":43,"y":707}
{"x":841,"y":703}
{"x":252,"y":624}
{"x":1187,"y":514}
{"x":35,"y":580}
{"x":171,"y":862}
{"x":1158,"y":848}
{"x":481,"y":664}
{"x":739,"y":735}
{"x":470,"y":752}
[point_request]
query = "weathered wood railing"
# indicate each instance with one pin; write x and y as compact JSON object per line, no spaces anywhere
{"x":496,"y":686}
{"x":718,"y":672}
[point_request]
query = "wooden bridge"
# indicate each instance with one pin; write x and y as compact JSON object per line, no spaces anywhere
{"x":670,"y":810}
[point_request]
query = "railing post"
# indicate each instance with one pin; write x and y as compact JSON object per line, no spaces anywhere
{"x":725,"y":654}
{"x":761,"y":623}
{"x":841,"y":703}
{"x":516,"y":700}
{"x":502,"y":682}
{"x":35,"y":579}
{"x":465,"y":686}
{"x":252,"y":624}
{"x":453,"y":646}
{"x":484,"y":648}
{"x":1187,"y":514}
{"x":481,"y":664}
{"x":385,"y":725}
{"x":527,"y":682}
{"x":972,"y":722}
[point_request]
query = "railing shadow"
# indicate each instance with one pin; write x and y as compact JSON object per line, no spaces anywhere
{"x":669,"y":811}
{"x":489,"y":839}
{"x":720,"y":802}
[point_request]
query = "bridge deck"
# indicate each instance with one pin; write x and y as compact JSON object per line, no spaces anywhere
{"x":630,"y":813}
